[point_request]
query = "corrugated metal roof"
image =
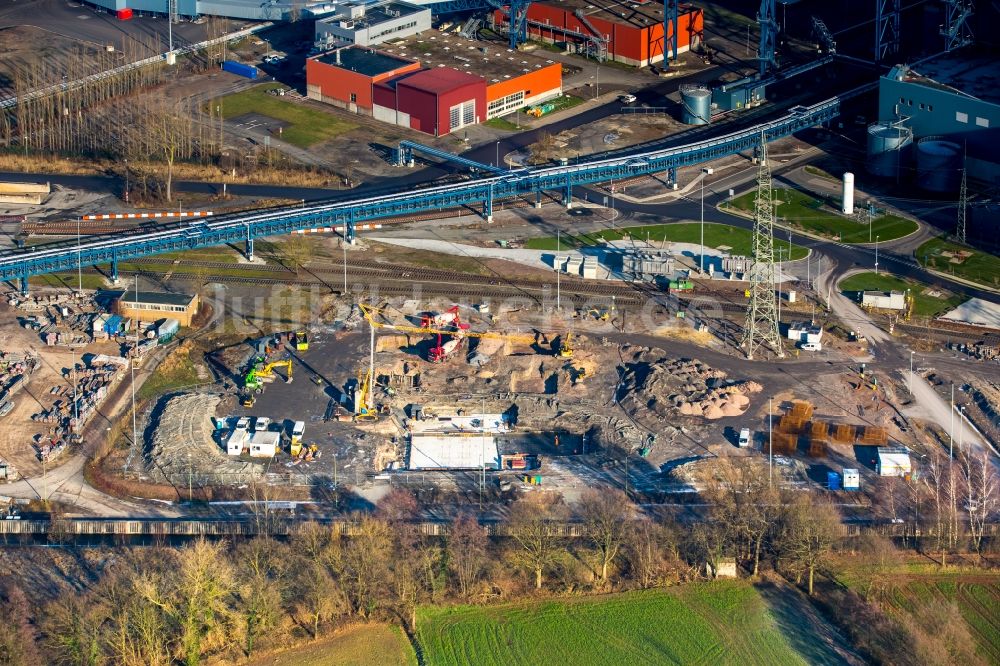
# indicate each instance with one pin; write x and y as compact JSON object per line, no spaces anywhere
{"x":440,"y":80}
{"x":156,"y":298}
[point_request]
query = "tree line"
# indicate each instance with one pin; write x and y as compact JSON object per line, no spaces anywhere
{"x":214,"y":599}
{"x":183,"y":605}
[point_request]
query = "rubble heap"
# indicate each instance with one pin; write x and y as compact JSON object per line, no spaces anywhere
{"x":668,"y":386}
{"x":182,"y":444}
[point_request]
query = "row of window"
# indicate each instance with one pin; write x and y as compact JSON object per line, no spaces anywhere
{"x":154,"y":306}
{"x":405,"y":26}
{"x":960,"y":116}
{"x":505,"y":105}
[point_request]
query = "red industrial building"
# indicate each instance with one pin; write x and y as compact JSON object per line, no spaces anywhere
{"x":435,"y":101}
{"x":454,"y":84}
{"x":625,"y":31}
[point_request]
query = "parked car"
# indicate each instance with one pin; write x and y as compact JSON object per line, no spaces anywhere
{"x":812,"y":346}
{"x":627,"y":98}
{"x":744,"y":438}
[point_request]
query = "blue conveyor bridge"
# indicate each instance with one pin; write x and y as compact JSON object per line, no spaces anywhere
{"x":478,"y":194}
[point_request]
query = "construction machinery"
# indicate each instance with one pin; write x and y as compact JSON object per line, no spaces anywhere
{"x":566,"y":346}
{"x":301,"y":341}
{"x":364,"y":407}
{"x":261,"y":373}
{"x":435,"y":325}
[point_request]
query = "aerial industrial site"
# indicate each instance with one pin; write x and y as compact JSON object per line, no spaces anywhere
{"x":486,"y":332}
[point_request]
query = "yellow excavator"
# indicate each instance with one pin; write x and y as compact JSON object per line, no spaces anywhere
{"x":566,"y":346}
{"x":254,"y":380}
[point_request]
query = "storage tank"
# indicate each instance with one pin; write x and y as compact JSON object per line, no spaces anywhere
{"x":886,"y":145}
{"x":847,"y":207}
{"x":939,"y":164}
{"x":697,"y":103}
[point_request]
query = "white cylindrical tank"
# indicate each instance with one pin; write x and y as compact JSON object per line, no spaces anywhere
{"x":848,"y":202}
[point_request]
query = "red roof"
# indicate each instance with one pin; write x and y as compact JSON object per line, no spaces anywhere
{"x":439,"y":80}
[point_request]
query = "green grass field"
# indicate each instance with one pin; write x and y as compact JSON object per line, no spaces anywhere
{"x":724,"y":622}
{"x":976,"y":592}
{"x":716,"y":235}
{"x":980,"y":267}
{"x":307,"y":126}
{"x":801,"y":211}
{"x":360,"y":645}
{"x":978,"y":601}
{"x":67,"y":281}
{"x":925,"y":305}
{"x":175,"y":373}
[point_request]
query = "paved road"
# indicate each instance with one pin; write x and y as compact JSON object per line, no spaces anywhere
{"x":75,"y":21}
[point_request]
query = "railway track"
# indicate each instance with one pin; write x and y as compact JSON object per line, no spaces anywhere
{"x":392,"y":273}
{"x":622,"y":295}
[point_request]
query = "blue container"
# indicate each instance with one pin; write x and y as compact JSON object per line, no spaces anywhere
{"x":113,"y":325}
{"x":233,"y":67}
{"x":833,"y":480}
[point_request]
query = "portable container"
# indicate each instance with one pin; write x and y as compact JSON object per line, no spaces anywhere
{"x":233,"y":67}
{"x":124,"y":14}
{"x":852,"y":479}
{"x":833,"y":480}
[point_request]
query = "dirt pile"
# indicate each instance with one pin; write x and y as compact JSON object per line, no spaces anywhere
{"x":182,"y":447}
{"x":669,"y":386}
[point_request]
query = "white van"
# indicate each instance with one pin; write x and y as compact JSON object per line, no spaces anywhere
{"x":744,"y":438}
{"x":261,"y":424}
{"x":812,"y":346}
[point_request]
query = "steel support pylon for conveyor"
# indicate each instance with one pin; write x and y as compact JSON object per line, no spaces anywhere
{"x":761,"y":326}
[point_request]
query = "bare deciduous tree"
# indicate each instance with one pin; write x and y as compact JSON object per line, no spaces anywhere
{"x":649,"y":549}
{"x":316,"y":596}
{"x":746,"y":506}
{"x":539,"y":540}
{"x":192,"y":598}
{"x":605,"y":518}
{"x":980,"y":501}
{"x":808,"y":532}
{"x":467,"y":544}
{"x":365,"y":564}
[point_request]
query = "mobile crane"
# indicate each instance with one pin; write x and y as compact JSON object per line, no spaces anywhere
{"x":433,"y":325}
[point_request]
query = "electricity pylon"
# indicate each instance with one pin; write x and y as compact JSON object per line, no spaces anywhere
{"x":761,"y":327}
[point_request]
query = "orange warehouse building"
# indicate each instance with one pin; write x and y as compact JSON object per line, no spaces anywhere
{"x":628,"y":32}
{"x":347,"y":77}
{"x":505,"y":96}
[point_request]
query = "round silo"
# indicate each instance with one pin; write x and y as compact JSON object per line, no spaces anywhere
{"x":697,"y":104}
{"x":939,"y":164}
{"x":886,"y":145}
{"x":847,"y":198}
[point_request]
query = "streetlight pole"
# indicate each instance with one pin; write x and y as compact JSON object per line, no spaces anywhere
{"x":345,"y":258}
{"x":770,"y":447}
{"x":701,"y":256}
{"x":876,"y":255}
{"x":951,"y":425}
{"x":558,"y":273}
{"x":497,"y":160}
{"x":911,"y":372}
